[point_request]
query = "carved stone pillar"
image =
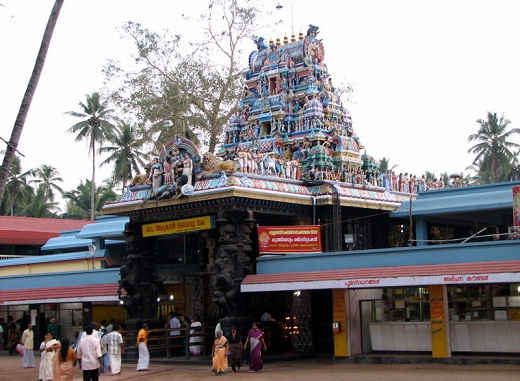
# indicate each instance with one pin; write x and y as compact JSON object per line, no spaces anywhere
{"x":232,"y":264}
{"x":138,"y":278}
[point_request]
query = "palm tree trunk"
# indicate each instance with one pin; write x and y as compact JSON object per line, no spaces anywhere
{"x":93,"y":183}
{"x":28,"y":96}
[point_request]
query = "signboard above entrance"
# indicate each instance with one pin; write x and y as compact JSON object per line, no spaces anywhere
{"x":289,"y":239}
{"x":179,"y":226}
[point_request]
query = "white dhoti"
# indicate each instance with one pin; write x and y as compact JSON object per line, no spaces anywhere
{"x":115,"y":362}
{"x":144,"y":357}
{"x":28,"y":358}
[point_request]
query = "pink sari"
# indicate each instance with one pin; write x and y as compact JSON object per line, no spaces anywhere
{"x":256,"y":363}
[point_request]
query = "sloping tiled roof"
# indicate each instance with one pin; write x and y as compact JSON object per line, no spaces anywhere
{"x":34,"y":231}
{"x":377,"y":276}
{"x":92,"y":292}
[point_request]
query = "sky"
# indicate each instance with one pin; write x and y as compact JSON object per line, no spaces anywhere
{"x":423,"y":72}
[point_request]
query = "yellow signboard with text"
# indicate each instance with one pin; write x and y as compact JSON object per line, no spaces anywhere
{"x":178,"y":226}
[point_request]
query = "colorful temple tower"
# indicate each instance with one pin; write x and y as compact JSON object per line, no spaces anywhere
{"x":290,"y":157}
{"x":291,"y":122}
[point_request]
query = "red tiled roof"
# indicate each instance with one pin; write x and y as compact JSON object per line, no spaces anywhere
{"x":63,"y":292}
{"x":34,"y":231}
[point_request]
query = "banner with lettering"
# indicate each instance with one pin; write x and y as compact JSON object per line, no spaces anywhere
{"x":289,"y":239}
{"x":178,"y":226}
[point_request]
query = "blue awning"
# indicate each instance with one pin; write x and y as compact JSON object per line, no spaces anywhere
{"x":112,"y":227}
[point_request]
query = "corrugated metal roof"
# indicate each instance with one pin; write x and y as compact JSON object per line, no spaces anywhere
{"x":57,"y":258}
{"x":111,"y":227}
{"x":65,"y":242}
{"x":512,"y":266}
{"x":460,"y":199}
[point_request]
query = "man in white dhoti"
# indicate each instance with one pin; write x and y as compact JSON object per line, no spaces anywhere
{"x":116,"y":349}
{"x":28,"y":347}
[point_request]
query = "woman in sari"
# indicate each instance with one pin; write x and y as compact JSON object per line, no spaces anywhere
{"x":43,"y":352}
{"x":235,"y":349}
{"x":219,"y":353}
{"x":67,"y":360}
{"x":255,"y":339}
{"x":50,"y":369}
{"x":143,"y":363}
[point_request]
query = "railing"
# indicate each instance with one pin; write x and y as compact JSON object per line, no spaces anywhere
{"x":161,"y":342}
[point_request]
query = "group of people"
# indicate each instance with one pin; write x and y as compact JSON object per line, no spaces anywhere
{"x":95,"y":350}
{"x":167,"y":172}
{"x":10,"y":332}
{"x":177,"y":323}
{"x":229,"y":350}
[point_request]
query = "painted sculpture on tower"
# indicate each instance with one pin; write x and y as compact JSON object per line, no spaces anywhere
{"x":291,"y":122}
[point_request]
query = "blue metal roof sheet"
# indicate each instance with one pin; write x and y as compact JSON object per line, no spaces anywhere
{"x":460,"y":199}
{"x":111,"y":227}
{"x":37,"y":259}
{"x":65,"y":242}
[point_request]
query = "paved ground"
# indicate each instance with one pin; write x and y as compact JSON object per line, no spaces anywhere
{"x":300,"y":370}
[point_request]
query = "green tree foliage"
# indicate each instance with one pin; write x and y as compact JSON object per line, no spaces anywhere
{"x":96,"y":128}
{"x":16,"y":133}
{"x":496,"y":156}
{"x":78,"y":200}
{"x":40,"y":206}
{"x":124,"y":153}
{"x":196,"y":88}
{"x":18,"y":192}
{"x":47,"y":178}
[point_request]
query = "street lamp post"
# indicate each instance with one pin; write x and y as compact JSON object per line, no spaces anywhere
{"x":92,"y":251}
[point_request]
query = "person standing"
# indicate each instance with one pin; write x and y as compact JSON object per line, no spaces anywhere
{"x":196,"y":337}
{"x":89,"y":356}
{"x":54,"y":329}
{"x":219,"y":352}
{"x":143,"y":363}
{"x":255,"y":340}
{"x":116,"y":349}
{"x":43,"y":353}
{"x":176,"y":333}
{"x":50,"y":361}
{"x":67,"y":360}
{"x":104,"y":350}
{"x":235,"y":349}
{"x":110,"y":326}
{"x":28,"y":347}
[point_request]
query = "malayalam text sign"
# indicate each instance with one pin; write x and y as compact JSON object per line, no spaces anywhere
{"x":178,"y":226}
{"x":289,"y":239}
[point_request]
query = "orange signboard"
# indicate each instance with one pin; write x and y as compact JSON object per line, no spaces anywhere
{"x":289,"y":239}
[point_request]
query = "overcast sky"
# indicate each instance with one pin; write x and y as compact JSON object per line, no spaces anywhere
{"x":423,"y":72}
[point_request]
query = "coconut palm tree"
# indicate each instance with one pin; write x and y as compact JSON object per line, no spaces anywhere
{"x":12,"y":145}
{"x":125,"y":152}
{"x":40,"y":206}
{"x":96,"y":128}
{"x":78,"y":201}
{"x":47,"y":178}
{"x":495,"y":154}
{"x":18,"y":191}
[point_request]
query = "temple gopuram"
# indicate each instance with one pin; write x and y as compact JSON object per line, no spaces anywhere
{"x":290,"y":157}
